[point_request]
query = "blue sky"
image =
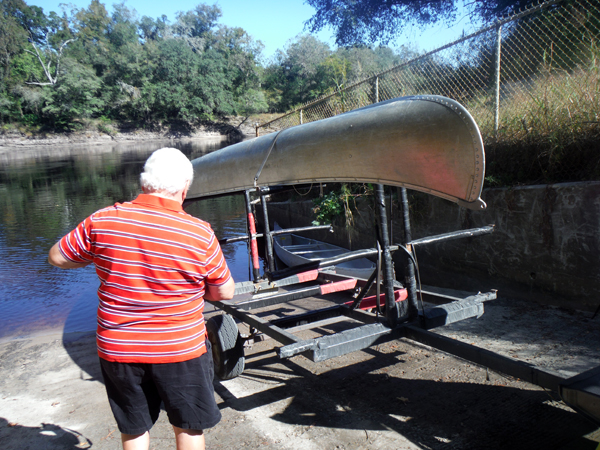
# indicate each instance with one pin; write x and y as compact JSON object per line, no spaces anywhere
{"x":274,"y":22}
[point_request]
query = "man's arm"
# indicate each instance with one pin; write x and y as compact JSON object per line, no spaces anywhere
{"x":222,"y":292}
{"x":56,"y":258}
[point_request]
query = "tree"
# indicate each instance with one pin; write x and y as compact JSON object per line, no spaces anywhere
{"x":20,"y":27}
{"x":370,"y":21}
{"x":127,"y":63}
{"x":76,"y":95}
{"x":152,"y":30}
{"x":195,"y":27}
{"x":187,"y":85}
{"x":332,"y":73}
{"x":91,"y":26}
{"x":198,"y":22}
{"x":243,"y":70}
{"x":13,"y":37}
{"x":251,"y":102}
{"x":122,"y":29}
{"x":295,"y":76}
{"x":364,"y":61}
{"x":46,"y":40}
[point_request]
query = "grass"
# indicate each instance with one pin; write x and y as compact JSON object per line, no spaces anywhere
{"x":547,"y":133}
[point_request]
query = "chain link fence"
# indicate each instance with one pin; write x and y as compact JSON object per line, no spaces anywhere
{"x":531,"y":82}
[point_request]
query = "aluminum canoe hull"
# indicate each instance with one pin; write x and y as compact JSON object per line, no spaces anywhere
{"x":426,"y":143}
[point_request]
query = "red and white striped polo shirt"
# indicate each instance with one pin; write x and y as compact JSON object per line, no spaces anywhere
{"x":153,"y":260}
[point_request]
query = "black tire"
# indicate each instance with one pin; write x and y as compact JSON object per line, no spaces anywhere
{"x":227,"y":346}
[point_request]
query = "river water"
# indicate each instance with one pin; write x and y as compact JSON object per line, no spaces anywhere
{"x":46,"y":192}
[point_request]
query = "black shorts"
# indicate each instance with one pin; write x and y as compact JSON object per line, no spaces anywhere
{"x":136,"y":390}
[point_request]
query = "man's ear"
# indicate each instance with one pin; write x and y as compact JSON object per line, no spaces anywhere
{"x":185,"y":189}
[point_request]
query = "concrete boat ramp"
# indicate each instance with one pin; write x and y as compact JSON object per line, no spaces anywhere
{"x":398,"y":395}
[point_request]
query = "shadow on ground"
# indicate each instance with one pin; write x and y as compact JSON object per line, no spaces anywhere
{"x":46,"y":436}
{"x":433,"y":414}
{"x":81,"y":348}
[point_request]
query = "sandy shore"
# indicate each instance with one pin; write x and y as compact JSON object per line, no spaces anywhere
{"x":398,"y":395}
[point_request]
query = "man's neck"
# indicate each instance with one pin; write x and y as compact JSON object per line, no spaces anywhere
{"x":177,"y":197}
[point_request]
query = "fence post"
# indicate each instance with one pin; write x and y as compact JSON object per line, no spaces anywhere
{"x":301,"y":117}
{"x":257,"y":127}
{"x":497,"y":80}
{"x":375,"y":95}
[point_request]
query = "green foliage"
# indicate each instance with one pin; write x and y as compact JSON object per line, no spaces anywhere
{"x":76,"y":95}
{"x":30,"y":119}
{"x":152,"y":30}
{"x":106,"y":129}
{"x":25,"y":67}
{"x":117,"y":65}
{"x":105,"y":126}
{"x":328,"y":208}
{"x":199,"y":22}
{"x":13,"y":36}
{"x":5,"y":107}
{"x":339,"y":203}
{"x":251,"y":102}
{"x":308,"y":69}
{"x":371,"y":21}
{"x":296,"y":73}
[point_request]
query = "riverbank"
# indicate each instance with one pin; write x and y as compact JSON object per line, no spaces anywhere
{"x":97,"y":134}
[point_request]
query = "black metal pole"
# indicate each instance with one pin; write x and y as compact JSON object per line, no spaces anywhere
{"x":392,"y":312}
{"x":363,"y":292}
{"x":410,"y":280}
{"x":267,"y":234}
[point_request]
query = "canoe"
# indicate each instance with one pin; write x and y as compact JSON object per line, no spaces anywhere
{"x":425,"y":143}
{"x":294,"y":250}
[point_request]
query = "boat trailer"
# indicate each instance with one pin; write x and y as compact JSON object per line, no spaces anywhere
{"x":393,"y":311}
{"x":401,"y":314}
{"x":430,"y":144}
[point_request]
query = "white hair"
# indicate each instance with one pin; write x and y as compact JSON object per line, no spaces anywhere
{"x":166,"y":170}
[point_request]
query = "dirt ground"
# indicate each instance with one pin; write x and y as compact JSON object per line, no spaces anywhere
{"x":398,"y":395}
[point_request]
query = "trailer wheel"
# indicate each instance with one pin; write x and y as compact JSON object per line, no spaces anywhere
{"x":227,"y":346}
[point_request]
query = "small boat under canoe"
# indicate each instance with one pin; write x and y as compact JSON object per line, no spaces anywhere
{"x":294,"y":250}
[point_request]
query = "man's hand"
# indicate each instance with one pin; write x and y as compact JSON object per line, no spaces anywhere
{"x":56,"y":258}
{"x":223,"y":292}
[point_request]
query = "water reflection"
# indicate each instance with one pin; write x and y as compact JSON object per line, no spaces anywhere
{"x":42,"y":197}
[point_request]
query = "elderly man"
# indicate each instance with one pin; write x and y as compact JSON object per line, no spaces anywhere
{"x":156,"y":265}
